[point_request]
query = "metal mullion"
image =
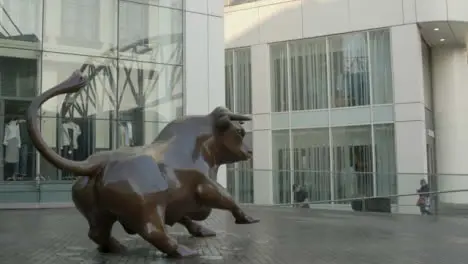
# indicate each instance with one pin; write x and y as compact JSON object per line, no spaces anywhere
{"x":371,"y":104}
{"x":330,"y":135}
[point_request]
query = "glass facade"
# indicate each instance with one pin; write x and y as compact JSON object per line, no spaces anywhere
{"x":133,"y":51}
{"x":331,"y":72}
{"x":328,"y":131}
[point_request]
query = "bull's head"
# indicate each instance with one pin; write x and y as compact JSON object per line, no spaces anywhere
{"x":229,"y":136}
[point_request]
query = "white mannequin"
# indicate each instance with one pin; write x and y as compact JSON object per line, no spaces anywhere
{"x":66,"y":140}
{"x":12,"y":131}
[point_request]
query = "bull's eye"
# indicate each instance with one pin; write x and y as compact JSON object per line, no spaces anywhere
{"x":241,"y":132}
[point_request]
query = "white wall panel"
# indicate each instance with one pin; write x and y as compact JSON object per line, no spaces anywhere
{"x":197,"y":61}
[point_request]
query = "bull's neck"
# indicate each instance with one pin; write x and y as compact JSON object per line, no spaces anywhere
{"x":211,"y":153}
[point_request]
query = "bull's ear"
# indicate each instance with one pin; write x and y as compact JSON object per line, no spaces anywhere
{"x":223,"y":123}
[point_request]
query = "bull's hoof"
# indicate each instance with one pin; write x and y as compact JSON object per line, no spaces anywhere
{"x":201,"y":231}
{"x":183,"y":252}
{"x":114,"y":247}
{"x":245,"y":219}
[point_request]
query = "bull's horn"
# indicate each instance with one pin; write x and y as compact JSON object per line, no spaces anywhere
{"x":236,"y":117}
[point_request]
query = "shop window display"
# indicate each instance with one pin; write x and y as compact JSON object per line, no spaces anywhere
{"x":18,"y":85}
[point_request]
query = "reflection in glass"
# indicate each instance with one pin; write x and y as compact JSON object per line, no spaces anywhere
{"x":157,"y":30}
{"x":349,"y":69}
{"x":17,"y":31}
{"x":352,"y":162}
{"x":96,"y":100}
{"x":281,"y":151}
{"x":279,"y":78}
{"x":148,"y":92}
{"x":311,"y":159}
{"x":86,"y":27}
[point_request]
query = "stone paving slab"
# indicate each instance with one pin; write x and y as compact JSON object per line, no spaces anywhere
{"x":284,"y":235}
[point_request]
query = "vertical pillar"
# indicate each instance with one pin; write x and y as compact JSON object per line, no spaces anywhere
{"x":216,"y":83}
{"x":261,"y":95}
{"x":204,"y":65}
{"x":410,"y":128}
{"x":450,"y":77}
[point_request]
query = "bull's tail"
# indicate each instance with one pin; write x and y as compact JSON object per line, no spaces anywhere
{"x":72,"y":85}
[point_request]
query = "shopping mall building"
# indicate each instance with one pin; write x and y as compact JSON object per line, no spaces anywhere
{"x":150,"y":61}
{"x":349,"y":98}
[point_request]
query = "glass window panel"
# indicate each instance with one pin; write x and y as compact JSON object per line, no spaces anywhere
{"x":311,"y":162}
{"x":385,"y":159}
{"x":96,"y":100}
{"x":281,"y":150}
{"x":352,"y":161}
{"x":381,"y":67}
{"x":229,"y":73}
{"x":149,"y":92}
{"x":349,"y":70}
{"x":279,"y":78}
{"x":243,"y":81}
{"x":244,"y":177}
{"x":150,"y":33}
{"x":86,"y":27}
{"x":15,"y":30}
{"x":19,"y":73}
{"x":309,"y":83}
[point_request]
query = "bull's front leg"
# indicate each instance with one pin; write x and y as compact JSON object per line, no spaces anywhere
{"x":210,"y":194}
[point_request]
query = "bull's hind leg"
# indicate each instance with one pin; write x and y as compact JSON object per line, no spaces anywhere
{"x":154,"y":231}
{"x":100,"y":228}
{"x":100,"y":223}
{"x":196,"y":229}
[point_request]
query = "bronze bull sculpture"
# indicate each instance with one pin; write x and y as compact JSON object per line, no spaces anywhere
{"x":146,"y":188}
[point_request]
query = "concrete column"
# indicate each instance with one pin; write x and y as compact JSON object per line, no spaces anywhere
{"x":204,"y":67}
{"x":410,"y":128}
{"x":450,"y":77}
{"x":262,"y":159}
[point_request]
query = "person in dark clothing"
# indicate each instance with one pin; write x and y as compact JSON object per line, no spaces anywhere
{"x":300,"y":196}
{"x":424,"y":200}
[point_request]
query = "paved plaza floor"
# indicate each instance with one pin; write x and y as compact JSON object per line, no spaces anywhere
{"x":284,"y":235}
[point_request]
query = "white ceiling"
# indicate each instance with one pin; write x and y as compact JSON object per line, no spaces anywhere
{"x":439,"y":33}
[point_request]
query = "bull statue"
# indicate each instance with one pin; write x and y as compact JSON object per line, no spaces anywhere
{"x":172,"y":180}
